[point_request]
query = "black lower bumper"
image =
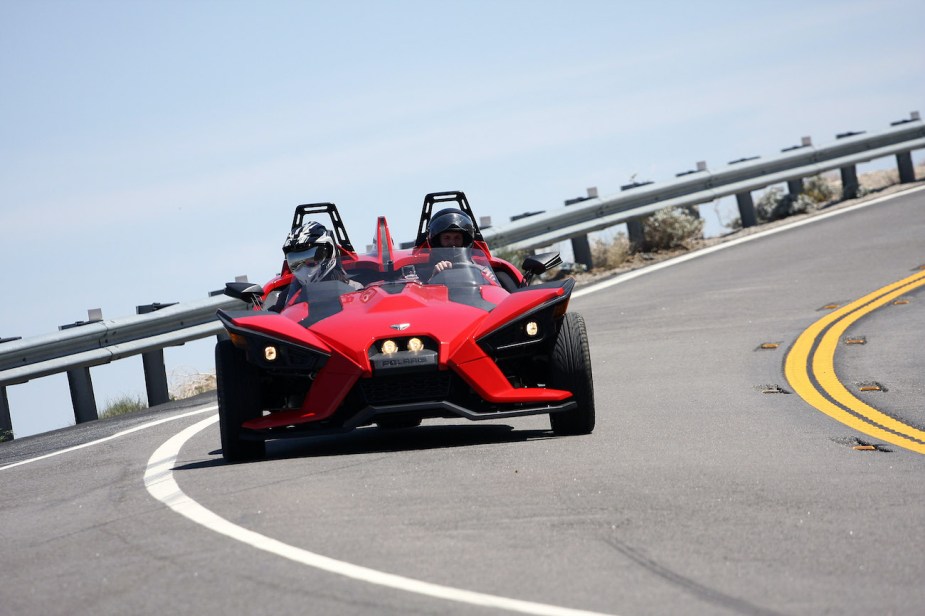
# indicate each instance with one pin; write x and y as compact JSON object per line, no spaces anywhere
{"x":370,"y":413}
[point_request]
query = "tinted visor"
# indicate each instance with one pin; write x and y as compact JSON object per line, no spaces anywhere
{"x":308,"y":257}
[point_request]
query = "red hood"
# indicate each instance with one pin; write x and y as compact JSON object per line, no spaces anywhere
{"x":375,"y":314}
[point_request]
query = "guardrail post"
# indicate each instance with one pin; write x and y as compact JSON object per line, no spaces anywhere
{"x":635,"y":232}
{"x":849,"y":173}
{"x":79,"y":381}
{"x":81,"y":385}
{"x":153,"y":363}
{"x":581,"y":247}
{"x":635,"y":228}
{"x":795,"y":187}
{"x":747,"y":209}
{"x":849,"y":182}
{"x":906,"y":169}
{"x":6,"y":422}
{"x":904,"y":159}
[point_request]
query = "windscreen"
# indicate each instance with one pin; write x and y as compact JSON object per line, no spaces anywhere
{"x":458,"y":267}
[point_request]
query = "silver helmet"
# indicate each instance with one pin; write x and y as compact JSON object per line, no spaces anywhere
{"x":310,"y":252}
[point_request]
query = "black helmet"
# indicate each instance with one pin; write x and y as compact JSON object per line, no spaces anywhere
{"x":451,"y":219}
{"x":310,"y":252}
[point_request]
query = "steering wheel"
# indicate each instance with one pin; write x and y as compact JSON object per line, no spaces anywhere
{"x":437,"y":278}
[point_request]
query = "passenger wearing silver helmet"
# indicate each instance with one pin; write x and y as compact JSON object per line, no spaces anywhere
{"x":311,"y":253}
{"x":312,"y":256}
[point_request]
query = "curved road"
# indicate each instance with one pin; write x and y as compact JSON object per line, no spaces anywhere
{"x":710,"y":486}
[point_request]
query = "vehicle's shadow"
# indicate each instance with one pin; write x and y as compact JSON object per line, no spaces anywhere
{"x":377,"y":440}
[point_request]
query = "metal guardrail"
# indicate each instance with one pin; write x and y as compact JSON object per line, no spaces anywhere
{"x":76,"y":349}
{"x":100,"y":342}
{"x":703,"y":186}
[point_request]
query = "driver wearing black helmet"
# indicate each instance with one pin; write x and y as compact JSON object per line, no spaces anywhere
{"x":452,"y":228}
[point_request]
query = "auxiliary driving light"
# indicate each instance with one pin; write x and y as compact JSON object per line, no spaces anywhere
{"x":270,"y":353}
{"x":532,"y":328}
{"x":389,"y":347}
{"x":415,"y":344}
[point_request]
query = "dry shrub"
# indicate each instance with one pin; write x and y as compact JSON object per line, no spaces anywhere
{"x":127,"y":403}
{"x":671,"y":227}
{"x":820,"y":189}
{"x":186,"y":384}
{"x":775,"y":204}
{"x":610,"y":254}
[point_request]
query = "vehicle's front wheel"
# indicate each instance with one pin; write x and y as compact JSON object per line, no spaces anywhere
{"x":238,"y":389}
{"x":571,"y":371}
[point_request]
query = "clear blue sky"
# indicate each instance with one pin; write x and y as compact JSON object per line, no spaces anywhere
{"x":150,"y":151}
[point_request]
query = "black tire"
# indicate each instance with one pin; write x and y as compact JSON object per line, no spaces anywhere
{"x":238,"y":389}
{"x":571,"y":371}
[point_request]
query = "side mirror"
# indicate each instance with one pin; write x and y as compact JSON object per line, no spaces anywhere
{"x":538,"y":264}
{"x":250,"y":292}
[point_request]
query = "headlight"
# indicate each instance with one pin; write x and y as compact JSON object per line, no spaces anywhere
{"x":394,"y":347}
{"x":526,"y":336}
{"x":271,"y":353}
{"x":415,"y":344}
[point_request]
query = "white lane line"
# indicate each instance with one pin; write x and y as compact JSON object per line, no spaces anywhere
{"x":621,"y":278}
{"x":111,"y":437}
{"x":161,"y":484}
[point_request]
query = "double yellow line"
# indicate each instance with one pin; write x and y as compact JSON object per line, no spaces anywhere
{"x":810,"y":370}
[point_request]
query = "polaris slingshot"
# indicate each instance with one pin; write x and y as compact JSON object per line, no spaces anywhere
{"x":406,"y":347}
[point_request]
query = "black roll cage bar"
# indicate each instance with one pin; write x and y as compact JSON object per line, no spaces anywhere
{"x":432,"y":199}
{"x":309,"y":209}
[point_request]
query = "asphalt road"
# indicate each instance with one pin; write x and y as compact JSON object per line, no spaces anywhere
{"x":698,"y":492}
